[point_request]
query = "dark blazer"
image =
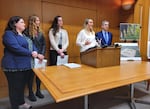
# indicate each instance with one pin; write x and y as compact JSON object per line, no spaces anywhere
{"x":17,"y":55}
{"x":99,"y":36}
{"x":38,"y":41}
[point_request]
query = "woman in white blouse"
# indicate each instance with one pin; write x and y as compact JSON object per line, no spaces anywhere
{"x":58,"y":40}
{"x":86,"y":37}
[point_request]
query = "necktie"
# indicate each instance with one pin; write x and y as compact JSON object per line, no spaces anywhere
{"x":106,"y":37}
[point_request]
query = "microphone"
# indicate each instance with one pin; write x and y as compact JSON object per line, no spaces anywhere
{"x":104,"y":46}
{"x":116,"y":45}
{"x":99,"y":41}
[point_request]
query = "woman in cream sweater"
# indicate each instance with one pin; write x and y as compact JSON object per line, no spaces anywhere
{"x":58,"y":40}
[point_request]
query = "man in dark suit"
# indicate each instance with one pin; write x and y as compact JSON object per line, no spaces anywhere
{"x":104,"y":37}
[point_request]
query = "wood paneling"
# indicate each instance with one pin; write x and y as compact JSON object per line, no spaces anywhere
{"x":9,"y":8}
{"x":73,"y":18}
{"x":73,"y":12}
{"x":141,"y":16}
{"x":87,"y":4}
{"x":71,"y":15}
{"x":22,"y":8}
{"x":144,"y":31}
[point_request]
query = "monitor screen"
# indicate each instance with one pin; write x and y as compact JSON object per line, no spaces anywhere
{"x":130,"y":31}
{"x":129,"y":51}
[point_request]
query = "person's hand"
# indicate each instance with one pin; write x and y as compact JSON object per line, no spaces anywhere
{"x":40,"y":61}
{"x":87,"y":42}
{"x":62,"y":55}
{"x":60,"y":51}
{"x":34,"y":54}
{"x":40,"y":56}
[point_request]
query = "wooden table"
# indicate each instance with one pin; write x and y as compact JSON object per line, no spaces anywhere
{"x":64,"y":83}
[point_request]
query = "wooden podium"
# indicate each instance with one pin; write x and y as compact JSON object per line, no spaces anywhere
{"x":101,"y":57}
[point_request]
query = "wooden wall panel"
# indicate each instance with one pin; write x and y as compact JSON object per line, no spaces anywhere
{"x":139,"y":14}
{"x":71,"y":15}
{"x":127,"y":16}
{"x":3,"y":82}
{"x":109,"y":10}
{"x":73,"y":11}
{"x":73,"y":18}
{"x":144,"y":29}
{"x":9,"y":8}
{"x":87,"y":4}
{"x":22,"y":8}
{"x":74,"y":14}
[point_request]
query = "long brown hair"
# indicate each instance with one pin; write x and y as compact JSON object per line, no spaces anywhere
{"x":54,"y":25}
{"x":33,"y":28}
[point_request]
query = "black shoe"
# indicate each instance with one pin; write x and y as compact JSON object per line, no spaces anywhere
{"x":39,"y":94}
{"x":32,"y":97}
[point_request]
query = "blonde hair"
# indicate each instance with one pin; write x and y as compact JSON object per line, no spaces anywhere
{"x":86,"y":21}
{"x":33,"y":28}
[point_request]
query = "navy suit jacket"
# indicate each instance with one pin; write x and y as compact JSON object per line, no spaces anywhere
{"x":100,"y":36}
{"x":16,"y":52}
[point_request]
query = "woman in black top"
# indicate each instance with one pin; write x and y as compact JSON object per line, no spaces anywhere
{"x":35,"y":33}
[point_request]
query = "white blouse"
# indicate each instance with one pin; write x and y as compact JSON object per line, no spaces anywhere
{"x":82,"y":37}
{"x":55,"y":40}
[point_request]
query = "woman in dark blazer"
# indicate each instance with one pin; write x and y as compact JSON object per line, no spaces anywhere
{"x":16,"y":62}
{"x":35,"y":33}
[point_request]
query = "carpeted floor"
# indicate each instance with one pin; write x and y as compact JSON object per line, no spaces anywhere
{"x":101,"y":100}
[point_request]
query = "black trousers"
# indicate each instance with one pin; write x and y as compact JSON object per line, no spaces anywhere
{"x":16,"y":85}
{"x":53,"y":57}
{"x":30,"y":78}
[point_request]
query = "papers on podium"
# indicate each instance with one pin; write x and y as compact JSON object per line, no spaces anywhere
{"x":61,"y":61}
{"x":72,"y":65}
{"x":38,"y":64}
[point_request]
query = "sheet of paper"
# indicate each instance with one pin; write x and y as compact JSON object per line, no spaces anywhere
{"x":38,"y":64}
{"x":72,"y":65}
{"x":61,"y":61}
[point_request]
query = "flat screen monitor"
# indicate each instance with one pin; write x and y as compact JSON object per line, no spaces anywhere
{"x":130,"y":31}
{"x":129,"y":51}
